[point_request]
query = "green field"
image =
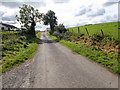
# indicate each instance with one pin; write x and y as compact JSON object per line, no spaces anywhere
{"x":108,"y":29}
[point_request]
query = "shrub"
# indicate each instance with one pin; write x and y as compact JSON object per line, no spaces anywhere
{"x":60,"y":28}
{"x":67,"y":35}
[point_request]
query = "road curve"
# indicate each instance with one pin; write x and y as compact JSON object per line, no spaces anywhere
{"x":56,"y":66}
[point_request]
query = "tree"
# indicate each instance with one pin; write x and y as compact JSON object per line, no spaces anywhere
{"x":28,"y":16}
{"x":60,"y":28}
{"x":50,"y":19}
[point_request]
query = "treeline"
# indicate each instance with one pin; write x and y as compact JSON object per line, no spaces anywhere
{"x":29,"y":16}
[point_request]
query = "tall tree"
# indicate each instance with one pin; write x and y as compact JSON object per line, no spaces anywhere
{"x":50,"y":19}
{"x":28,"y":16}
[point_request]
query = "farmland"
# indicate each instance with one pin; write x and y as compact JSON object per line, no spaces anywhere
{"x":108,"y":29}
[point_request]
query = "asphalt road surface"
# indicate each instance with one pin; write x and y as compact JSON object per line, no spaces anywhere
{"x":56,"y":66}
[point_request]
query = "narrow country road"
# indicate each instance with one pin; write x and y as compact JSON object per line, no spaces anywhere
{"x":56,"y":66}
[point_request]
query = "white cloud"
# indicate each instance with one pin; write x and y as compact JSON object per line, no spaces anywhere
{"x":69,"y":12}
{"x":82,"y":11}
{"x":61,"y":1}
{"x":96,"y":12}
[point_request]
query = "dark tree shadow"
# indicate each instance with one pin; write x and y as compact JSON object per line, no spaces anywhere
{"x":47,"y":41}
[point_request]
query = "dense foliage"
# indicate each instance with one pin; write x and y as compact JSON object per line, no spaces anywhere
{"x":60,"y":28}
{"x":50,"y":19}
{"x":28,"y":16}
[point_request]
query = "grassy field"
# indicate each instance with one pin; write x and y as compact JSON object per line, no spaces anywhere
{"x":17,"y":48}
{"x":108,"y":28}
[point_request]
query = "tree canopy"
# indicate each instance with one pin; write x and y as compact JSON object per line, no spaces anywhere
{"x":50,"y":19}
{"x":60,"y":28}
{"x":28,"y":16}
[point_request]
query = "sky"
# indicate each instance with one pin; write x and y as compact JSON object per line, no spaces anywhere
{"x":71,"y":13}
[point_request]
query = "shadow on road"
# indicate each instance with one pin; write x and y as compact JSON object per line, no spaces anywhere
{"x":47,"y":41}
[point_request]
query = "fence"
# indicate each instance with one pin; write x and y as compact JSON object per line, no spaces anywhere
{"x":86,"y":30}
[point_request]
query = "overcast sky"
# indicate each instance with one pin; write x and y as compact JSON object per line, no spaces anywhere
{"x":69,"y":12}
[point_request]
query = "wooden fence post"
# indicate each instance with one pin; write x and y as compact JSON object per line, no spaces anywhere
{"x":78,"y":30}
{"x":102,"y":32}
{"x":87,"y":31}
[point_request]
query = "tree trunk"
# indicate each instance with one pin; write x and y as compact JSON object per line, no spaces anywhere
{"x":32,"y":31}
{"x":51,"y":29}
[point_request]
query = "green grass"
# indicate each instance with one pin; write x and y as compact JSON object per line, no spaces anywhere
{"x":109,"y":60}
{"x":38,"y":34}
{"x":20,"y":57}
{"x":17,"y":49}
{"x":9,"y":32}
{"x":108,"y":28}
{"x":53,"y":37}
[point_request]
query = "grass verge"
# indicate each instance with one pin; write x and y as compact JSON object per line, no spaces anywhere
{"x":17,"y":50}
{"x":109,"y":60}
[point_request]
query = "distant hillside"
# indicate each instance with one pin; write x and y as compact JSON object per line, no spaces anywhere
{"x":108,"y":29}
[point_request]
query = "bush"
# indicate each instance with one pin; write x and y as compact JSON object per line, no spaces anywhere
{"x":58,"y":35}
{"x":60,"y":28}
{"x":67,"y":36}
